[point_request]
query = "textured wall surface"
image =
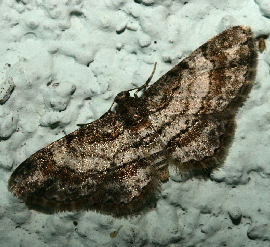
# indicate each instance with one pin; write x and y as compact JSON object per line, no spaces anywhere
{"x":62,"y":63}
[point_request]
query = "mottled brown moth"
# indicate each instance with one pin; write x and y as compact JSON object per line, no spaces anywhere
{"x":186,"y":118}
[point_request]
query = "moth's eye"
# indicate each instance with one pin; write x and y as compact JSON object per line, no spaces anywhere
{"x":121,"y":96}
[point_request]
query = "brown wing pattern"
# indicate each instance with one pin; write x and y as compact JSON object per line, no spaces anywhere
{"x":197,"y":100}
{"x":113,"y":164}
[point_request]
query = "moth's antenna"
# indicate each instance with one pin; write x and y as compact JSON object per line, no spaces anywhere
{"x":141,"y":87}
{"x":147,"y":82}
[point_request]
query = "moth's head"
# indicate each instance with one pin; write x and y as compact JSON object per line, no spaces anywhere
{"x":122,"y":96}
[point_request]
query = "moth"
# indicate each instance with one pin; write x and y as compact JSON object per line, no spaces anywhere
{"x":186,"y":118}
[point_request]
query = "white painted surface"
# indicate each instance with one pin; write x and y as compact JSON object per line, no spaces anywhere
{"x":75,"y":56}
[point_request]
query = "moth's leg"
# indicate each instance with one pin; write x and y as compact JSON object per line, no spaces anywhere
{"x":81,"y":125}
{"x":112,"y":105}
{"x":146,"y":83}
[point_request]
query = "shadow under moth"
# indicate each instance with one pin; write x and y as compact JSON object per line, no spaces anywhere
{"x":186,"y":118}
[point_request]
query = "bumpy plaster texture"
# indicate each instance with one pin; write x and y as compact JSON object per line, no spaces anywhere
{"x":63,"y":62}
